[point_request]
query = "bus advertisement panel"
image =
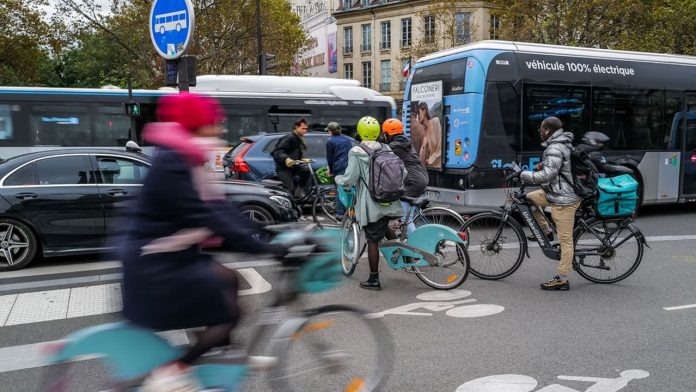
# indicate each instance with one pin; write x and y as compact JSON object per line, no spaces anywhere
{"x":426,"y":123}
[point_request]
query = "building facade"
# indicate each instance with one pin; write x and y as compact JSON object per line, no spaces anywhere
{"x":320,"y":56}
{"x":378,"y":40}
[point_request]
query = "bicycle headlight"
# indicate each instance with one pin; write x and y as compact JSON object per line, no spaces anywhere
{"x":281,"y":201}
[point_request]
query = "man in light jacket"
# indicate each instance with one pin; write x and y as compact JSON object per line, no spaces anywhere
{"x":554,"y":175}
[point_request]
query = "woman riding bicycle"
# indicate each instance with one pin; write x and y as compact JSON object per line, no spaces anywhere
{"x":168,"y":282}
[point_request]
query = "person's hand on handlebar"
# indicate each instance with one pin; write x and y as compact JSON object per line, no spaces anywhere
{"x":513,"y":177}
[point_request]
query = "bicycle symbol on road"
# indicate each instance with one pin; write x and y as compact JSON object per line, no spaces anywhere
{"x":520,"y":383}
{"x":442,"y":301}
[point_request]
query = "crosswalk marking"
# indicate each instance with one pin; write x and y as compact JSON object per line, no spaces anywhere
{"x":59,"y":304}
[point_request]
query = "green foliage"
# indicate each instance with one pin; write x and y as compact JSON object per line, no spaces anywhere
{"x":96,"y":47}
{"x":664,"y":26}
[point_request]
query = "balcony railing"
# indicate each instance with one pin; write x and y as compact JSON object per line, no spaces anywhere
{"x":385,"y":86}
{"x":347,"y":49}
{"x":365,"y":48}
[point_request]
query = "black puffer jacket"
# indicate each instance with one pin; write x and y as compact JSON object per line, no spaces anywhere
{"x":417,"y":177}
{"x":290,"y":146}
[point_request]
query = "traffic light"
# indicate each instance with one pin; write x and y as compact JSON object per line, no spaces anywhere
{"x":132,"y":109}
{"x":267,"y":63}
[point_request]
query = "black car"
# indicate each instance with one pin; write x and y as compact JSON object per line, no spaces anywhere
{"x":62,"y":202}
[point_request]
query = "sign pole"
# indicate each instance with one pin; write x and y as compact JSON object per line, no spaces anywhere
{"x":183,"y":75}
{"x":259,"y":43}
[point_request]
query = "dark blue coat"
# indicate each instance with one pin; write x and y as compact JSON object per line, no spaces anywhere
{"x":337,"y":149}
{"x":176,"y":289}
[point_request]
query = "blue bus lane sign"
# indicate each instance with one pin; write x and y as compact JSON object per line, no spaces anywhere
{"x":171,"y":27}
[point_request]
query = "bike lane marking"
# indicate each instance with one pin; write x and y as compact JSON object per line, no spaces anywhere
{"x":439,"y":301}
{"x":522,"y":383}
{"x":59,"y":304}
{"x":681,"y":307}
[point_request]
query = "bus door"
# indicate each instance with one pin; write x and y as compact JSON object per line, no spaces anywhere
{"x":689,"y":172}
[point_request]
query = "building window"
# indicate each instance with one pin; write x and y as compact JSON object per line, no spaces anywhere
{"x":495,"y":27}
{"x":348,"y":71}
{"x":367,"y":74}
{"x":365,"y":3}
{"x":429,"y":24}
{"x":366,"y":45}
{"x":347,"y":4}
{"x":347,"y":40}
{"x":463,"y":28}
{"x":386,"y":35}
{"x":385,"y":74}
{"x":405,"y":32}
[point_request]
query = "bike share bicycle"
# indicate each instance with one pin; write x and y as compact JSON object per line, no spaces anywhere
{"x":607,"y":250}
{"x":435,"y":253}
{"x":304,"y":350}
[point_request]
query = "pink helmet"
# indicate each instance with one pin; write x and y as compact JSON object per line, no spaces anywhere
{"x":192,"y":111}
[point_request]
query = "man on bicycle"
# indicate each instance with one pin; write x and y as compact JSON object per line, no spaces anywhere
{"x":554,"y":174}
{"x":288,"y":151}
{"x":417,"y":178}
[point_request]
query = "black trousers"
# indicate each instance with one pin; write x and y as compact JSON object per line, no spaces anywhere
{"x":287,"y":176}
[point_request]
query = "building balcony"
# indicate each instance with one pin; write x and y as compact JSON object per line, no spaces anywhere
{"x":385,"y":87}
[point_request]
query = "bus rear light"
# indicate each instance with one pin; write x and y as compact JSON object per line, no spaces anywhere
{"x":693,"y":158}
{"x":240,"y":165}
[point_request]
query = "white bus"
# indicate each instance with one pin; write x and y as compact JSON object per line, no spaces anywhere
{"x":37,"y":118}
{"x":170,"y":21}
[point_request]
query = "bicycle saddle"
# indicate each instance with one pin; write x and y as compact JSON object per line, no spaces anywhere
{"x":419,"y":202}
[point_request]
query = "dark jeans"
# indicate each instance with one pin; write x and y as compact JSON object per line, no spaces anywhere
{"x":287,"y":176}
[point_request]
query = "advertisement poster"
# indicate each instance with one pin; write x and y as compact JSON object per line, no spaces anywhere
{"x":332,"y":53}
{"x":426,"y":123}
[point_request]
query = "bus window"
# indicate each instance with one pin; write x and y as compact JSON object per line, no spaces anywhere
{"x":450,"y":72}
{"x":6,"y":128}
{"x":674,"y":107}
{"x":110,"y":126}
{"x":500,"y":136}
{"x":59,"y":124}
{"x":244,"y":121}
{"x":632,"y":119}
{"x":568,"y":103}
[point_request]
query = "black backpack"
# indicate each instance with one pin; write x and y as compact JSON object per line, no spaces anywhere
{"x":585,"y":174}
{"x":386,"y":174}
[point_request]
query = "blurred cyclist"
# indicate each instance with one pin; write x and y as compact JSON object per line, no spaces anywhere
{"x":168,"y":282}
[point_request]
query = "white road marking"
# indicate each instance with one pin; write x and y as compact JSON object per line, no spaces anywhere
{"x":61,"y":269}
{"x":682,"y":307}
{"x":27,"y":308}
{"x":33,"y":355}
{"x":471,"y":311}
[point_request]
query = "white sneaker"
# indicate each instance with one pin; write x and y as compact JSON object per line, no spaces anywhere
{"x":171,"y":378}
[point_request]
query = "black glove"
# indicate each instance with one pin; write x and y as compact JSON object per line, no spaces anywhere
{"x":513,"y":177}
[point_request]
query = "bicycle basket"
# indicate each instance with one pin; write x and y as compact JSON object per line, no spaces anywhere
{"x":346,"y":196}
{"x":323,"y":271}
{"x":323,"y":176}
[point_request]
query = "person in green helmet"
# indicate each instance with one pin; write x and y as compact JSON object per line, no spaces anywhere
{"x":374,"y":217}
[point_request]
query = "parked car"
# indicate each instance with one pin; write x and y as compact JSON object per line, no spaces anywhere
{"x":62,"y":202}
{"x":251,"y":159}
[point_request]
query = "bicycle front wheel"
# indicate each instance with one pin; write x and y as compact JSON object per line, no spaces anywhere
{"x":451,"y":269}
{"x":324,"y":209}
{"x":335,"y":349}
{"x":600,"y":263}
{"x":496,"y":247}
{"x":351,"y":246}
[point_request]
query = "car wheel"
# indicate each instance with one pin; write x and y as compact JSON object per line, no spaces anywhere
{"x":257,"y":214}
{"x":18,"y":245}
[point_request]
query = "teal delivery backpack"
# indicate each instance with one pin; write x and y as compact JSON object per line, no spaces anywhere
{"x":617,"y":196}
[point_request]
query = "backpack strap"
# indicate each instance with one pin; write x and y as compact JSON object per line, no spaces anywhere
{"x":367,"y":149}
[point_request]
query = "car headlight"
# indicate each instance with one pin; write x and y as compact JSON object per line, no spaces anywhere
{"x":282,"y":201}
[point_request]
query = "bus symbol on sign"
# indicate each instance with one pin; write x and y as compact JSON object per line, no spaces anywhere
{"x":171,"y":21}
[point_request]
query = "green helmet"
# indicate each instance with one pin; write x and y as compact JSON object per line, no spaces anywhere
{"x":368,"y":128}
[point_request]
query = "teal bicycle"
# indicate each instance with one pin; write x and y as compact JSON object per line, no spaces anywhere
{"x":331,"y":348}
{"x":435,"y":252}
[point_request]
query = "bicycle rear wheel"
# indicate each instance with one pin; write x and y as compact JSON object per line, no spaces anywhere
{"x":451,"y":270}
{"x":494,"y":258}
{"x":607,"y":264}
{"x":440,"y":216}
{"x":351,"y":245}
{"x":335,"y":349}
{"x":324,"y":209}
